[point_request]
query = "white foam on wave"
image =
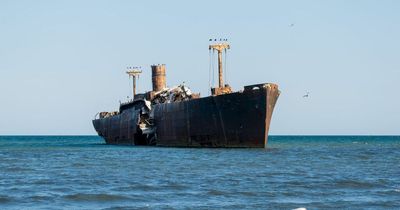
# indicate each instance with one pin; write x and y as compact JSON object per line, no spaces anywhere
{"x":301,"y":208}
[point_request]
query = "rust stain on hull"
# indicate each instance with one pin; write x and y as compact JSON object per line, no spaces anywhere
{"x":239,"y":119}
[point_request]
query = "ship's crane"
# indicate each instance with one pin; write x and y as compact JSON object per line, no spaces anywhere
{"x":219,"y":48}
{"x":134,"y":73}
{"x":222,"y":88}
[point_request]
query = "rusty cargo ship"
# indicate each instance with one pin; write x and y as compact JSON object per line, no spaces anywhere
{"x":176,"y":117}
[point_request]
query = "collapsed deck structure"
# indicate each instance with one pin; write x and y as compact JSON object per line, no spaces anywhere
{"x":176,"y":116}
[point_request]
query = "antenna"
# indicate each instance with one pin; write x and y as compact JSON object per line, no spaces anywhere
{"x":134,"y":72}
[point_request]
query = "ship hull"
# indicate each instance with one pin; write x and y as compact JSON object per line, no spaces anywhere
{"x":239,"y":119}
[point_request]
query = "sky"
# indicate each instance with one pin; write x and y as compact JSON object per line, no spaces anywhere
{"x":61,"y":62}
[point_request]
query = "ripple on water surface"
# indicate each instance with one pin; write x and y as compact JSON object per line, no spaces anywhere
{"x":295,"y":171}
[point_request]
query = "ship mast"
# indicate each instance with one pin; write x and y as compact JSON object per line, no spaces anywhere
{"x":222,"y":88}
{"x":134,"y":72}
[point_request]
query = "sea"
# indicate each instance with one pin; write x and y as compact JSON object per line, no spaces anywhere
{"x":306,"y":172}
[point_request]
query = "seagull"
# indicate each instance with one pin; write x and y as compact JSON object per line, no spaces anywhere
{"x":291,"y":25}
{"x":306,"y":95}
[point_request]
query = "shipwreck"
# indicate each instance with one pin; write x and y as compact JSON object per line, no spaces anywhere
{"x":177,"y":117}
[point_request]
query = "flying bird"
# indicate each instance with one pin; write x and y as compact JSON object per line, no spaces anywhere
{"x":291,"y":25}
{"x":306,"y":95}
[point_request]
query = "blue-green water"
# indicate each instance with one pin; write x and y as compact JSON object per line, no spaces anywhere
{"x":319,"y":172}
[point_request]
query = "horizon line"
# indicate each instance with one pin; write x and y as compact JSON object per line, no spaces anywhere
{"x":2,"y":135}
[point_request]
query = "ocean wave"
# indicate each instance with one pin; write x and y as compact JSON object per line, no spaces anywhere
{"x":5,"y":199}
{"x":350,"y":183}
{"x":95,"y":197}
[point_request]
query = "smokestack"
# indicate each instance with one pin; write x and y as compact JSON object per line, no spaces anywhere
{"x":158,"y":77}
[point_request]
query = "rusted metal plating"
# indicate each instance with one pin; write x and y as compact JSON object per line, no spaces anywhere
{"x":239,"y":119}
{"x":158,"y":77}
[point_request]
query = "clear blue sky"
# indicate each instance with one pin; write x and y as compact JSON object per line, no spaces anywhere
{"x":63,"y":61}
